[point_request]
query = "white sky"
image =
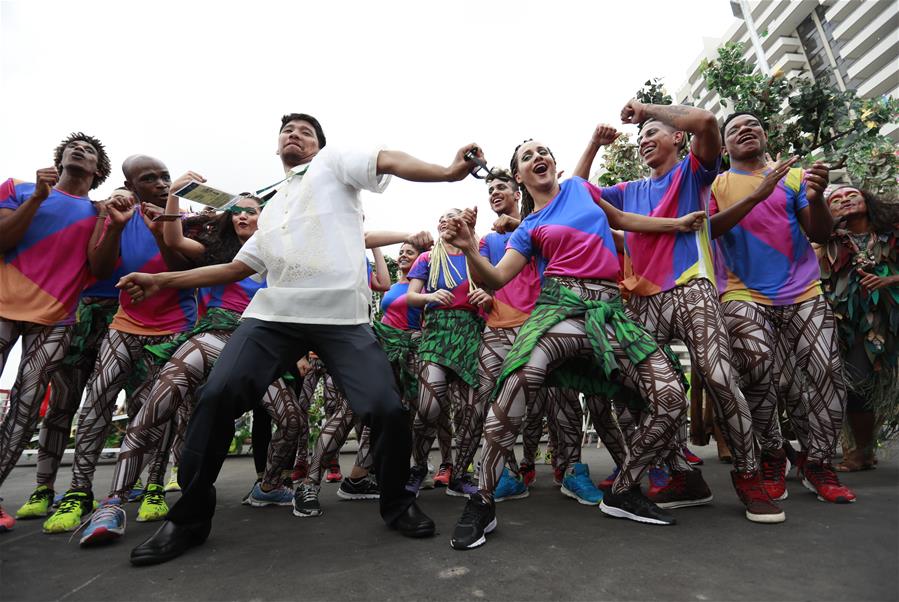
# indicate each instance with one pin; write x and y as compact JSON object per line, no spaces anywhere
{"x":203,"y":87}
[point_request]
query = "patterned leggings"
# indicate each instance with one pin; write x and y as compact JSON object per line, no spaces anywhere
{"x":691,"y":313}
{"x":810,"y":374}
{"x":334,"y":434}
{"x":565,"y":426}
{"x":120,"y":356}
{"x":43,"y":349}
{"x":653,"y":378}
{"x":753,"y":341}
{"x":178,"y":380}
{"x":438,"y":390}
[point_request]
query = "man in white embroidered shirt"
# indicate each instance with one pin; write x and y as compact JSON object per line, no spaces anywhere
{"x":309,"y":247}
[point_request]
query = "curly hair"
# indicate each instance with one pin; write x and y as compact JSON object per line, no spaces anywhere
{"x":527,"y":201}
{"x":220,"y":238}
{"x":103,"y":166}
{"x":883,"y":211}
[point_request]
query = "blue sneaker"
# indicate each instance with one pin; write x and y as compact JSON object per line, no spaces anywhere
{"x":510,"y":488}
{"x":279,"y":496}
{"x":577,"y":485}
{"x":417,"y":475}
{"x":137,"y":492}
{"x":106,"y":524}
{"x":658,"y":479}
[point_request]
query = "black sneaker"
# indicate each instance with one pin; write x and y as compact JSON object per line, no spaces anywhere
{"x":634,"y":505}
{"x":305,"y":501}
{"x":358,"y":489}
{"x":478,"y":519}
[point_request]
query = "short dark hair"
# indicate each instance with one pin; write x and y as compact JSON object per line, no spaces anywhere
{"x":103,"y":165}
{"x":685,"y":141}
{"x":733,"y":116}
{"x":319,"y":132}
{"x":503,"y":175}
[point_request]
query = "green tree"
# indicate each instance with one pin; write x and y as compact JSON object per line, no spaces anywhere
{"x":811,"y":119}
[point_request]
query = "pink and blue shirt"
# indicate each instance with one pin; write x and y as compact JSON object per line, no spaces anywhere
{"x":168,"y":311}
{"x":661,"y":262}
{"x":513,"y":303}
{"x":421,"y":270}
{"x":42,"y":277}
{"x":570,"y":236}
{"x":396,"y":309}
{"x":234,"y":296}
{"x":766,"y":258}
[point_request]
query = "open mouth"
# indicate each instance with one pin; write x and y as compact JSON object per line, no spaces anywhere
{"x":541,"y":168}
{"x":646,"y":150}
{"x":745,"y":138}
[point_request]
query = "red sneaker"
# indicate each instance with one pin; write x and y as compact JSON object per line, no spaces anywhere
{"x":692,"y":458}
{"x":658,"y":480}
{"x":6,"y":521}
{"x":528,"y":473}
{"x":300,"y":471}
{"x":443,"y":476}
{"x":754,"y":495}
{"x":558,"y":475}
{"x":774,"y":467}
{"x":822,"y":480}
{"x":334,"y":475}
{"x":684,"y":488}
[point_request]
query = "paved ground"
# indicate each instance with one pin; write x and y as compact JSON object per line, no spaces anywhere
{"x":547,"y":547}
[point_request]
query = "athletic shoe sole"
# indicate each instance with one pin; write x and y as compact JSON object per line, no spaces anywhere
{"x":567,"y":492}
{"x":334,"y":479}
{"x":357,"y":496}
{"x":452,"y":492}
{"x":685,"y":503}
{"x":306,"y":514}
{"x":768,"y":519}
{"x":619,"y":513}
{"x":102,"y":536}
{"x":255,"y":503}
{"x":488,"y":529}
{"x":517,"y":496}
{"x":141,"y":519}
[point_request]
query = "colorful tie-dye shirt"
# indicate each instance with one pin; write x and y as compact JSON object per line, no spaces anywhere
{"x":168,"y":311}
{"x":662,"y":261}
{"x":234,"y":296}
{"x":396,"y":309}
{"x":570,"y":236}
{"x":421,"y":270}
{"x":42,"y":277}
{"x":766,"y":258}
{"x":513,"y":303}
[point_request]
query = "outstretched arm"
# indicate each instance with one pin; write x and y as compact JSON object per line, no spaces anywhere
{"x":602,"y":135}
{"x":633,"y":222}
{"x":382,"y":238}
{"x":172,"y":232}
{"x":723,"y":221}
{"x":706,"y":144}
{"x":459,"y":234}
{"x":407,"y":167}
{"x":140,"y":286}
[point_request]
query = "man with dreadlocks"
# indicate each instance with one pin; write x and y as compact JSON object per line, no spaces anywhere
{"x":45,"y":227}
{"x":673,"y":290}
{"x":132,"y":238}
{"x":764,"y":217}
{"x":316,"y":298}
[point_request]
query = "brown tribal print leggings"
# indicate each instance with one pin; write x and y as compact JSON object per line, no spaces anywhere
{"x":175,"y":387}
{"x":654,"y":379}
{"x":43,"y":349}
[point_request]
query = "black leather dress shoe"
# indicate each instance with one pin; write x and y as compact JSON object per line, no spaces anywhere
{"x":414,"y":523}
{"x":169,"y":542}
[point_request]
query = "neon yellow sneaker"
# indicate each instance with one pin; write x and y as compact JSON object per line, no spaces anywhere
{"x":173,"y":485}
{"x":153,"y":506}
{"x":73,"y":506}
{"x":38,"y":504}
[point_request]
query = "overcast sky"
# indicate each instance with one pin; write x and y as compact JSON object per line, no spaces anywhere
{"x":203,"y":87}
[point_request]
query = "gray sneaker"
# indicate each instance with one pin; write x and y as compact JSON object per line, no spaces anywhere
{"x":305,"y":501}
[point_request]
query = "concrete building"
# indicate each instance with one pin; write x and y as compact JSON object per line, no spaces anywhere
{"x":853,"y":44}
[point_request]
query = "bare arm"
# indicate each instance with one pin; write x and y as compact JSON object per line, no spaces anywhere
{"x":602,"y":135}
{"x":633,"y":222}
{"x":380,"y":278}
{"x":816,"y":219}
{"x":382,"y":238}
{"x":15,"y":222}
{"x":103,"y":253}
{"x":172,"y":232}
{"x":140,"y":286}
{"x":706,"y":144}
{"x":407,"y":167}
{"x":416,"y":298}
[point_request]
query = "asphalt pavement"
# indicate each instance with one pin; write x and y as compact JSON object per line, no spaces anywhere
{"x":547,"y":547}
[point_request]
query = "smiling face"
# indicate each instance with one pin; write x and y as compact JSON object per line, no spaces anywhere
{"x":847,"y":202}
{"x":407,"y":256}
{"x":658,"y":143}
{"x":443,"y":222}
{"x":244,"y":216}
{"x":535,"y":167}
{"x":504,"y":196}
{"x":745,"y":138}
{"x":297,"y":143}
